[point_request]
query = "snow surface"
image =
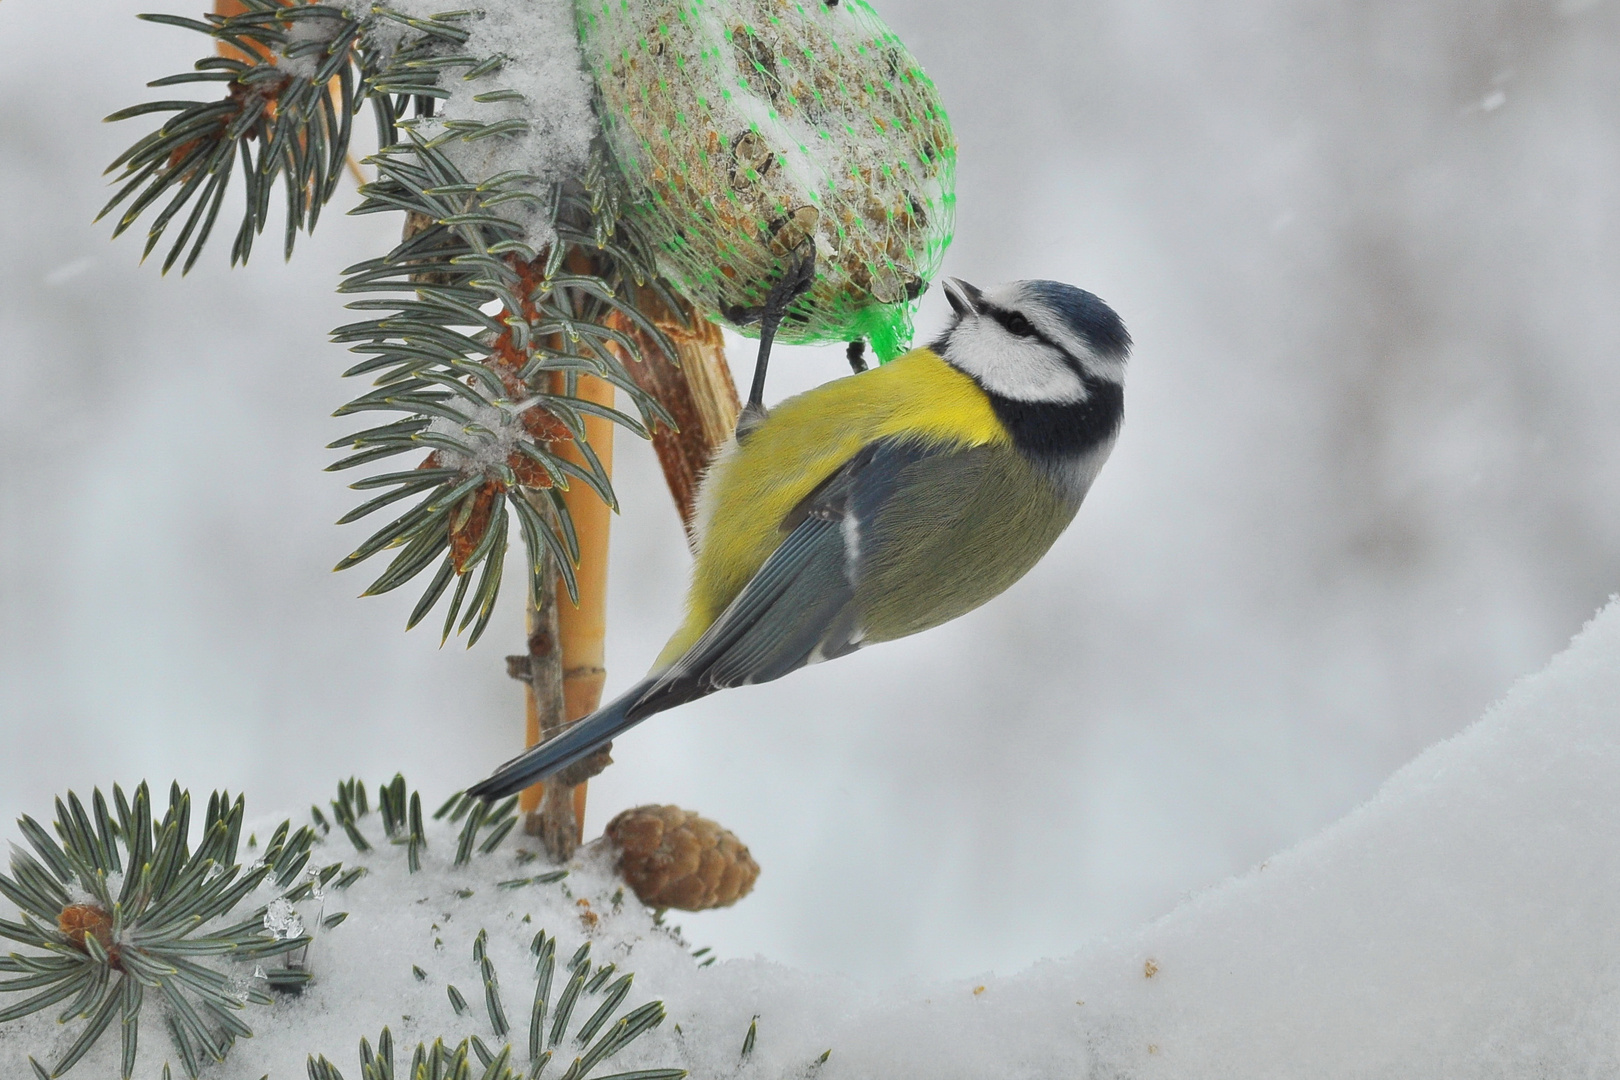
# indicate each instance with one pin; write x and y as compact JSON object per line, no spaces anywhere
{"x":1460,"y":924}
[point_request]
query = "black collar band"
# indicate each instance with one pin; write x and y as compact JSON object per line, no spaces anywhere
{"x":1050,"y":432}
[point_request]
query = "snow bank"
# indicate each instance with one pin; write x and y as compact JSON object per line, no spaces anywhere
{"x":1458,"y":925}
{"x":1462,"y":923}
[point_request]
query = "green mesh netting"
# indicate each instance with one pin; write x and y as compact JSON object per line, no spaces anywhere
{"x":749,"y":130}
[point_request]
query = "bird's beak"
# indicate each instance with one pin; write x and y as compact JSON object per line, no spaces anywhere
{"x":965,"y":299}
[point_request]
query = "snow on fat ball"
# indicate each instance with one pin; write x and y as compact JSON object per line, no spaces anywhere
{"x":751,"y":130}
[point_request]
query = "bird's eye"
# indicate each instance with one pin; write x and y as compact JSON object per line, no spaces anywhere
{"x":1018,"y":326}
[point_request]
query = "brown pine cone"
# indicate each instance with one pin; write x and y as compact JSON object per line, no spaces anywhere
{"x":79,"y":921}
{"x":672,"y":858}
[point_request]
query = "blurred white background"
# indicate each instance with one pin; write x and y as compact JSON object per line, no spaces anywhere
{"x":1368,"y":476}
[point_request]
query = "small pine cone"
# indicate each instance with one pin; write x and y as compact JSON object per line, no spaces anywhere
{"x":674,"y":859}
{"x":79,"y":921}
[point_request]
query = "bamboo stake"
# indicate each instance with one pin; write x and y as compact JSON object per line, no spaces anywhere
{"x":563,"y":671}
{"x":556,"y":810}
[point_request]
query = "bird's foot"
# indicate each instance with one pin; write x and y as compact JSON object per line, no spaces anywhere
{"x":856,"y":354}
{"x":795,"y":280}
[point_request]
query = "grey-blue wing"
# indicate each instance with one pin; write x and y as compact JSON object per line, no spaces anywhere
{"x":800,"y":606}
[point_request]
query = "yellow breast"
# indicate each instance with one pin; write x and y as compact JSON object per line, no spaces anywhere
{"x":752,"y":487}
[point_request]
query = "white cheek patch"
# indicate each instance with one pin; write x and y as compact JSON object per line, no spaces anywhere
{"x":1022,"y":369}
{"x":1015,"y":297}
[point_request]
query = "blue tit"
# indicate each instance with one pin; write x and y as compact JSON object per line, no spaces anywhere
{"x":883,"y":503}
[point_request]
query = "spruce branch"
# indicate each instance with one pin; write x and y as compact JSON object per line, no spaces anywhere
{"x":292,"y":78}
{"x":122,"y":913}
{"x":480,"y":343}
{"x":482,"y":324}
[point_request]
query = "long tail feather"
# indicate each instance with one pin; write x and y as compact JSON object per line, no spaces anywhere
{"x":578,"y":741}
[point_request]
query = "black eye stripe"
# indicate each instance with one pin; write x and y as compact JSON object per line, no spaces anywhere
{"x":1003,"y":316}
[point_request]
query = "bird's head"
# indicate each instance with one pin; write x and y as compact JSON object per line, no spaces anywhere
{"x":1051,"y":359}
{"x":1035,"y":342}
